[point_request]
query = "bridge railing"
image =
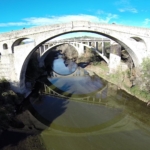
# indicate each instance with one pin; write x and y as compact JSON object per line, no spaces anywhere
{"x":97,"y":98}
{"x":139,"y":31}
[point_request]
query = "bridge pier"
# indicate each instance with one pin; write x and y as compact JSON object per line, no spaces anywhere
{"x":103,"y":48}
{"x":81,"y":49}
{"x":96,"y":45}
{"x":114,"y":58}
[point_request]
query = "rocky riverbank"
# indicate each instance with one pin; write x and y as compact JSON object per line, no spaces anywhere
{"x":122,"y":80}
{"x":16,"y":131}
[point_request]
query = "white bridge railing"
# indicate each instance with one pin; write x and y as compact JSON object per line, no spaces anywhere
{"x":45,"y":47}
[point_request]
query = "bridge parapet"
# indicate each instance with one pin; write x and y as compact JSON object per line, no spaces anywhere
{"x":145,"y":32}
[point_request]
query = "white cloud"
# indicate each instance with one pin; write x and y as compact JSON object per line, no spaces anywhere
{"x":100,"y":12}
{"x":146,"y":22}
{"x":12,"y":24}
{"x":108,"y":16}
{"x":36,"y":21}
{"x":125,"y":6}
{"x":122,"y":2}
{"x":111,"y":16}
{"x":133,"y":10}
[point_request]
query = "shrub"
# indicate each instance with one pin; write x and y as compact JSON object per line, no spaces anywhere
{"x":4,"y":85}
{"x":144,"y":80}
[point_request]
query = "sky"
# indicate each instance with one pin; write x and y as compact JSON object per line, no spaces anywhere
{"x":18,"y":14}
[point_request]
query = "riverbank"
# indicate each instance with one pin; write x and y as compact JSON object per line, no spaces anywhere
{"x":16,"y":131}
{"x":14,"y":140}
{"x":121,"y":79}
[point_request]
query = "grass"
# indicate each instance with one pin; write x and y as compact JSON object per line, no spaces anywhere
{"x":120,"y":79}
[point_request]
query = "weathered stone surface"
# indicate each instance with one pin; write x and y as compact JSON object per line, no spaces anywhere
{"x":15,"y":58}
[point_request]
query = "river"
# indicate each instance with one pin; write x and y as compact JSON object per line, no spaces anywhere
{"x":86,"y":112}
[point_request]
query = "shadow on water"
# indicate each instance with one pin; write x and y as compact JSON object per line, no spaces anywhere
{"x":83,"y":64}
{"x":21,"y":130}
{"x":45,"y":108}
{"x":48,"y":109}
{"x":38,"y":112}
{"x":95,"y":121}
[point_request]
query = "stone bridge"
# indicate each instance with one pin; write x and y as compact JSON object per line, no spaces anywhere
{"x":15,"y":57}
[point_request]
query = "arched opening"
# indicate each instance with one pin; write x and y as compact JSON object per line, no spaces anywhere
{"x":21,"y":41}
{"x":137,"y":39}
{"x":5,"y":46}
{"x":140,"y":43}
{"x":43,"y":59}
{"x":84,"y":119}
{"x":133,"y":56}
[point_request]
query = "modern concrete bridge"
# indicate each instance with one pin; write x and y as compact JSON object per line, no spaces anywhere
{"x":80,"y":45}
{"x":15,"y":57}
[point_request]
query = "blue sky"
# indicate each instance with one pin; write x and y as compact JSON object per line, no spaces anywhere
{"x":17,"y":14}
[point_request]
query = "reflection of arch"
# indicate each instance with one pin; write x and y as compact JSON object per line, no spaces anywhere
{"x":105,"y":125}
{"x":126,"y":43}
{"x":19,"y":42}
{"x":5,"y":46}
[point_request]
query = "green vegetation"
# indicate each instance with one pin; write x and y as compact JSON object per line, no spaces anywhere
{"x":142,"y":89}
{"x":144,"y":80}
{"x":124,"y":80}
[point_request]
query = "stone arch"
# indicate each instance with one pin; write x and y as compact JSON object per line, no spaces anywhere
{"x":123,"y":42}
{"x":5,"y":46}
{"x":19,"y":42}
{"x":115,"y":38}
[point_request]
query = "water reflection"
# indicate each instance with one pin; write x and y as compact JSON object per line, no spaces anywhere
{"x":86,"y":112}
{"x":78,"y":85}
{"x":47,"y":108}
{"x":64,"y":67}
{"x":57,"y":62}
{"x":90,"y":122}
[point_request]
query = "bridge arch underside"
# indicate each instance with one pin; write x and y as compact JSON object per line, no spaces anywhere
{"x":48,"y":50}
{"x":125,"y":42}
{"x":18,"y":42}
{"x":140,"y":43}
{"x":100,"y":54}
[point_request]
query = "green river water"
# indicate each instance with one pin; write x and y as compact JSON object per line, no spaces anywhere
{"x":110,"y":119}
